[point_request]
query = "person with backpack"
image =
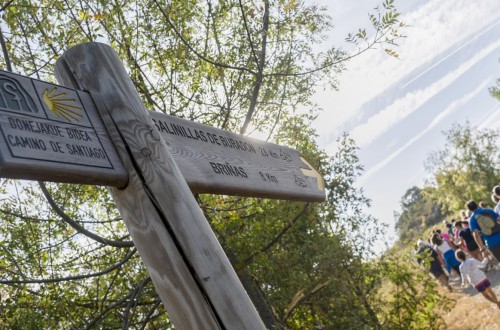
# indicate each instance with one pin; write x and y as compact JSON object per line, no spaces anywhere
{"x":485,"y":223}
{"x":465,"y":238}
{"x":428,"y":257}
{"x":446,"y":253}
{"x":495,"y":197}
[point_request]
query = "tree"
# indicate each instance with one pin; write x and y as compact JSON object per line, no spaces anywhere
{"x":418,"y":213}
{"x":466,"y":168}
{"x":241,"y":66}
{"x":411,"y":196}
{"x":410,"y":295}
{"x":495,"y":90}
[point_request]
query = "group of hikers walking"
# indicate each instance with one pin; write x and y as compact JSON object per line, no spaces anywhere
{"x":468,"y":247}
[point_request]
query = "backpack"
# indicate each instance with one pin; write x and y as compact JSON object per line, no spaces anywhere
{"x":488,"y":225}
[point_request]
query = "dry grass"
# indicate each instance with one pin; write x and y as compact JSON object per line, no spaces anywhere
{"x":471,"y":310}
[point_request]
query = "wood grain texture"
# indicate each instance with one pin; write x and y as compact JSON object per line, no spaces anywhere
{"x":221,"y":162}
{"x":52,"y":133}
{"x":189,"y":269}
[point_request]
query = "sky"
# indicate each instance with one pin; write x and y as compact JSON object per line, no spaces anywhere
{"x":398,"y":109}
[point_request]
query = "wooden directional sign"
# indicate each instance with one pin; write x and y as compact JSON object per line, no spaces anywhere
{"x":217,"y":161}
{"x":53,"y":133}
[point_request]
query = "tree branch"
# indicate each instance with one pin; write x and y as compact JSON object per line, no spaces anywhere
{"x":300,"y":297}
{"x":184,"y":41}
{"x":247,"y":260}
{"x":252,"y":48}
{"x":6,"y":5}
{"x":73,"y":278}
{"x":260,"y":73}
{"x":150,"y":314}
{"x":75,"y":19}
{"x":5,"y":52}
{"x":77,"y":226}
{"x":132,"y":302}
{"x":117,"y":303}
{"x":344,"y":57}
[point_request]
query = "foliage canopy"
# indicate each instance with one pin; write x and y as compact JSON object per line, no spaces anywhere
{"x":66,"y":259}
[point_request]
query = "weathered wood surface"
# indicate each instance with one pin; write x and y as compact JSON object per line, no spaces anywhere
{"x":52,"y":133}
{"x":189,"y":269}
{"x":221,"y":162}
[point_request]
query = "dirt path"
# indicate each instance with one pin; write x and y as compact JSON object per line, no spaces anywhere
{"x":472,"y":311}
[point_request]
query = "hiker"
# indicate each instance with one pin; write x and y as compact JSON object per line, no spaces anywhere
{"x":484,"y":225}
{"x":465,"y":215}
{"x":449,"y":227}
{"x":446,"y":252}
{"x":466,"y":238}
{"x":496,"y":201}
{"x":426,"y":253}
{"x":470,"y":270}
{"x":456,"y":237}
{"x":444,"y":236}
{"x":496,"y":191}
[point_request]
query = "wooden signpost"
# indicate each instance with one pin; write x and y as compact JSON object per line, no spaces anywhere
{"x":54,"y":133}
{"x":221,"y":162}
{"x":97,"y":131}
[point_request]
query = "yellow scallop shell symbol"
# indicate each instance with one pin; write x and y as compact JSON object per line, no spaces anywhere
{"x":62,"y":106}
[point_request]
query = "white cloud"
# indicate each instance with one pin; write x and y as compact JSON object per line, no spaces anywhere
{"x":441,"y":24}
{"x":384,"y":120}
{"x":492,"y":120}
{"x":434,"y":28}
{"x":461,"y":46}
{"x":442,"y":115}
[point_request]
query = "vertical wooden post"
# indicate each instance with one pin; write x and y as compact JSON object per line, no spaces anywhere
{"x":188,"y":267}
